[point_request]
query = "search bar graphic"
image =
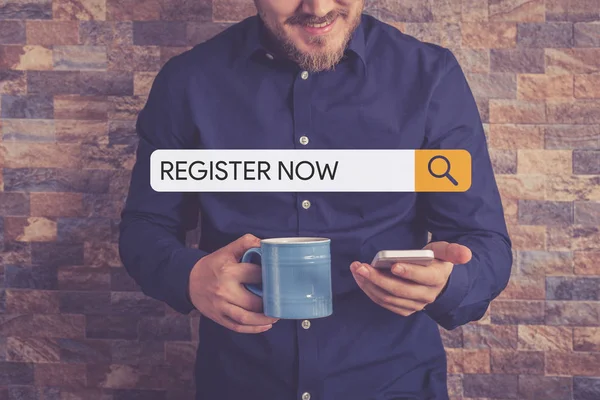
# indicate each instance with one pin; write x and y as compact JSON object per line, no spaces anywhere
{"x":310,"y":170}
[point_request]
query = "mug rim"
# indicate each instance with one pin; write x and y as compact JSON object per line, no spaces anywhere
{"x":295,"y":240}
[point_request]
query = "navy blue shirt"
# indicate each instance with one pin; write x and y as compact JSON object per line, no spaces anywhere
{"x":390,"y":91}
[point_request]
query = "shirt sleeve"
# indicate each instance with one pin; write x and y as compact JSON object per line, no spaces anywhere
{"x":474,"y":218}
{"x":153,"y":224}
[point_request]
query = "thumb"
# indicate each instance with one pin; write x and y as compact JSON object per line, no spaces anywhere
{"x":451,"y":252}
{"x":238,"y":247}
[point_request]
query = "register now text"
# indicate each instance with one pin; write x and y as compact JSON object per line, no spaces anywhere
{"x":246,"y":170}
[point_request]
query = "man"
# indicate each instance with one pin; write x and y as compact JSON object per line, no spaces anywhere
{"x":318,"y":74}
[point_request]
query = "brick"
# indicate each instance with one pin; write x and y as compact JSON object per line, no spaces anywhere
{"x":172,"y":327}
{"x":111,"y":83}
{"x":79,"y":229}
{"x":572,"y":61}
{"x":89,"y":303}
{"x":42,"y":155}
{"x":483,"y":107}
{"x":510,"y":312}
{"x":83,"y":278}
{"x":527,"y":237}
{"x":572,"y":288}
{"x":103,"y":205}
{"x":183,"y":10}
{"x":15,"y":373}
{"x":32,"y":350}
{"x":74,"y":107}
{"x":586,"y":162}
{"x":142,"y":83}
{"x":545,"y":338}
{"x":445,"y":33}
{"x":79,"y":10}
{"x":452,"y":339}
{"x":17,"y":253}
{"x":517,"y":10}
{"x":13,"y":82}
{"x":586,"y":388}
{"x":85,"y":394}
{"x":534,"y":387}
{"x":547,"y":162}
{"x":44,"y":326}
{"x":572,"y":136}
{"x":120,"y":181}
{"x":492,"y":386}
{"x":542,"y":263}
{"x":166,"y":53}
{"x":28,"y":130}
{"x":524,"y":288}
{"x":52,"y":33}
{"x":116,"y":156}
{"x":562,"y":363}
{"x":14,"y":204}
{"x":32,"y":229}
{"x":122,"y":281}
{"x":573,"y":187}
{"x":83,"y":132}
{"x":57,"y":254}
{"x":530,"y":187}
{"x":468,"y":361}
{"x":75,"y":58}
{"x":474,"y":11}
{"x":496,"y":35}
{"x":574,"y":112}
{"x":517,"y":362}
{"x":149,"y":352}
{"x":141,"y":394}
{"x":84,"y":351}
{"x":199,"y":32}
{"x":540,"y":87}
{"x":122,"y":133}
{"x":54,"y":82}
{"x":23,"y":10}
{"x":159,"y":33}
{"x":503,"y":161}
{"x":402,"y":10}
{"x":56,"y":204}
{"x":36,"y":107}
{"x":26,"y":58}
{"x":587,"y":86}
{"x":37,"y":277}
{"x":512,"y":137}
{"x":111,"y":327}
{"x":60,"y":375}
{"x":585,"y":262}
{"x":568,"y":313}
{"x":587,"y":34}
{"x":586,"y":339}
{"x":518,"y":60}
{"x":473,"y":60}
{"x":490,"y":336}
{"x":572,"y":10}
{"x":493,"y":86}
{"x":12,"y":32}
{"x":101,"y":253}
{"x":585,"y":237}
{"x":545,"y":35}
{"x":125,"y":107}
{"x":535,"y":212}
{"x":31,"y":301}
{"x":137,"y":58}
{"x":517,"y":112}
{"x":107,"y":33}
{"x":135,"y":303}
{"x":133,"y":10}
{"x":185,"y":352}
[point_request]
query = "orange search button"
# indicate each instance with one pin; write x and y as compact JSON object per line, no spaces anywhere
{"x":442,"y":170}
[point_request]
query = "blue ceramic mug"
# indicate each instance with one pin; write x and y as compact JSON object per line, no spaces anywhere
{"x":296,"y":277}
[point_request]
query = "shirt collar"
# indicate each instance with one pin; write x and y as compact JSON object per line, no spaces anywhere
{"x":255,"y":41}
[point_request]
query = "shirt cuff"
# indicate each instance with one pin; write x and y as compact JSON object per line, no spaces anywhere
{"x":451,"y":296}
{"x":178,"y":281}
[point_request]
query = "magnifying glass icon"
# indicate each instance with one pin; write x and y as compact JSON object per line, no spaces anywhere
{"x":446,"y":172}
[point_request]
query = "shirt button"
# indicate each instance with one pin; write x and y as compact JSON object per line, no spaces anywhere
{"x":306,"y":324}
{"x":269,"y":56}
{"x":305,"y":396}
{"x":304,"y":75}
{"x":304,"y":140}
{"x":306,"y":204}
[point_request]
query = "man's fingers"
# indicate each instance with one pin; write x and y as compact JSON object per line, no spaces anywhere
{"x":244,"y":298}
{"x":244,"y":317}
{"x":435,"y":274}
{"x":245,"y":272}
{"x":385,"y":299}
{"x":239,"y":246}
{"x":239,"y":328}
{"x":451,"y":252}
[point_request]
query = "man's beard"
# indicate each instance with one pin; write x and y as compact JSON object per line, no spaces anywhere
{"x":319,"y":60}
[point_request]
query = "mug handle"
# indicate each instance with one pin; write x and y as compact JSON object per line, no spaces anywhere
{"x":245,"y":259}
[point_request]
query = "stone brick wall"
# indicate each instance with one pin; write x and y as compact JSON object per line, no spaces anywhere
{"x":74,"y":74}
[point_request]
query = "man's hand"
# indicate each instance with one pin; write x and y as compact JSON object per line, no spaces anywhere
{"x":216,"y":288}
{"x":410,"y":287}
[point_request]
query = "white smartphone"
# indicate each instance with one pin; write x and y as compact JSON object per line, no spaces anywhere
{"x":386,"y":258}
